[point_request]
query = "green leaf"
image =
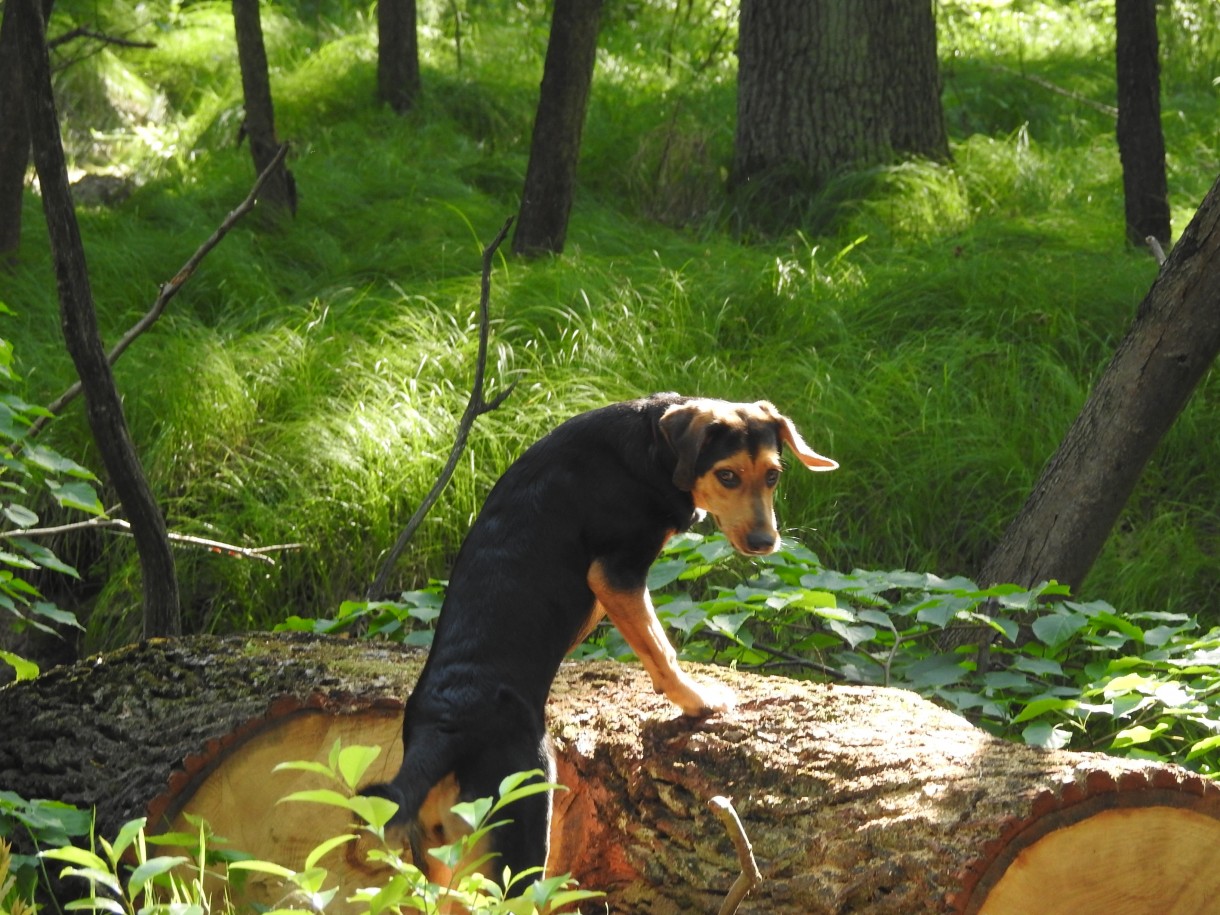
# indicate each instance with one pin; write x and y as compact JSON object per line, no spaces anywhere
{"x":70,"y":854}
{"x":1138,"y":734}
{"x":21,"y":516}
{"x":304,"y":765}
{"x":935,"y":671}
{"x":50,"y":611}
{"x":150,"y":870}
{"x":1056,"y":628}
{"x":473,"y":812}
{"x":23,"y":669}
{"x":126,"y":835}
{"x":354,"y":761}
{"x":1044,"y":734}
{"x":54,"y":462}
{"x":263,"y":867}
{"x":326,"y":847}
{"x":43,"y":557}
{"x":1044,"y":704}
{"x":77,"y":494}
{"x":1206,"y":745}
{"x":375,"y":811}
{"x":320,"y":796}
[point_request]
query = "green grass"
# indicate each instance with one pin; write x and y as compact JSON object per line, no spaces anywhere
{"x":935,"y":328}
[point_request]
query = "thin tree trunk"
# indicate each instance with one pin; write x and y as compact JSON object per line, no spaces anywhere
{"x":550,"y":177}
{"x":1141,"y":142}
{"x":14,"y":136}
{"x":397,"y":54}
{"x":856,"y":799}
{"x":280,"y":189}
{"x":834,"y":84}
{"x":1170,"y":347}
{"x":103,"y":406}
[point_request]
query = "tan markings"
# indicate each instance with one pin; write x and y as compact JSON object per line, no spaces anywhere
{"x":632,"y":612}
{"x":738,"y":493}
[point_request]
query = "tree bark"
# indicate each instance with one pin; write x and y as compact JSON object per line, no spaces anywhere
{"x":14,"y":134}
{"x":856,"y":799}
{"x":1169,"y":348}
{"x":1141,"y":142}
{"x":829,"y":85}
{"x":280,"y":190}
{"x":550,"y":177}
{"x":397,"y":54}
{"x":103,"y":406}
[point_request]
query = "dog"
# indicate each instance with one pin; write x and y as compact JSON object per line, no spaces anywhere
{"x":565,"y":538}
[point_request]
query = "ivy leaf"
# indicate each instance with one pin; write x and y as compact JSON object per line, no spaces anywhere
{"x":1056,"y":628}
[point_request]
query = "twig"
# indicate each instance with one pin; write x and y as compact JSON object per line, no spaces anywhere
{"x":1059,"y":90}
{"x":750,"y":876}
{"x":1154,"y":245}
{"x":123,"y":527}
{"x":83,"y":32}
{"x":168,"y":290}
{"x":475,"y":408}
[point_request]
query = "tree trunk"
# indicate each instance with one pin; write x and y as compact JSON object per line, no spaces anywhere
{"x":550,"y":177}
{"x":829,"y":85}
{"x":103,"y":406}
{"x":856,"y":799}
{"x":14,"y":135}
{"x":1170,"y":347}
{"x":397,"y":54}
{"x":1141,"y":142}
{"x":280,"y":190}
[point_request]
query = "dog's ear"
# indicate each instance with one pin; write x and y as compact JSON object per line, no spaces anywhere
{"x":685,"y":428}
{"x":790,"y":437}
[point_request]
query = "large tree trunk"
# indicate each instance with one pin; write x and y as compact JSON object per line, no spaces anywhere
{"x":1170,"y":347}
{"x":103,"y":406}
{"x":550,"y":177}
{"x":280,"y":189}
{"x":856,"y":799}
{"x":1141,"y":142}
{"x":833,"y":84}
{"x":397,"y":54}
{"x":14,"y":134}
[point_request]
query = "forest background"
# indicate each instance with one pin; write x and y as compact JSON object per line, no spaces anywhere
{"x":933,"y":326}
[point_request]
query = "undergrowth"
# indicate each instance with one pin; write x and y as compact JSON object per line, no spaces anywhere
{"x":933,"y":327}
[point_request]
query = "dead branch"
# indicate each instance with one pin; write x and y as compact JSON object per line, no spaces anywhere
{"x":168,"y":290}
{"x":84,"y":32}
{"x":475,"y":408}
{"x":1058,"y":90}
{"x":750,"y":876}
{"x":1154,"y":245}
{"x":124,"y":527}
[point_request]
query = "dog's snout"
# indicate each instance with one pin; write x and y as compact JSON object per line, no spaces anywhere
{"x":760,"y":541}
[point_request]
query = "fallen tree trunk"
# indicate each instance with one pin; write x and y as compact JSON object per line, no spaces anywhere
{"x":856,"y":799}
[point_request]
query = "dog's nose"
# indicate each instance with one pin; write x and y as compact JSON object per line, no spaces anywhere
{"x":760,"y":541}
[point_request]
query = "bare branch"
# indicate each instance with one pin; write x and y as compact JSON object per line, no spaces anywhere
{"x":124,"y":527}
{"x":1154,"y":245}
{"x":1058,"y":90}
{"x":84,"y":32}
{"x":476,"y":406}
{"x":750,"y":876}
{"x":168,"y":290}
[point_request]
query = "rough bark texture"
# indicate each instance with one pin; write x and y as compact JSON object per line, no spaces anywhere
{"x":14,"y":137}
{"x":103,"y":406}
{"x":1141,"y":142}
{"x":1171,"y":345}
{"x":856,"y":799}
{"x":280,"y":189}
{"x":824,"y":86}
{"x":550,"y":177}
{"x":397,"y":54}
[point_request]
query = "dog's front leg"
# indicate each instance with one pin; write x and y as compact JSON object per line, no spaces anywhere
{"x":631,"y":611}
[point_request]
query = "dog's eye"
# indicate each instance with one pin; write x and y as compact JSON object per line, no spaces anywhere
{"x":772,"y":478}
{"x":728,"y":479}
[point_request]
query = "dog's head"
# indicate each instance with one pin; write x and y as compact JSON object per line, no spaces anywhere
{"x":728,"y":459}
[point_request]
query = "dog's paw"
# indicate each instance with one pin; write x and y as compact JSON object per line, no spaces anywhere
{"x":703,"y":700}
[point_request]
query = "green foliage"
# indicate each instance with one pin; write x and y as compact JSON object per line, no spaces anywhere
{"x":124,"y":879}
{"x":30,"y":474}
{"x":38,"y":824}
{"x":934,"y":327}
{"x":1061,"y":673}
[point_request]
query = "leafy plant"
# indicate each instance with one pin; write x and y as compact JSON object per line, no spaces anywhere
{"x":29,"y":472}
{"x":1060,"y":673}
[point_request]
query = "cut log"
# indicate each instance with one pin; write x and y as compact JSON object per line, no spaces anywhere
{"x":856,"y":799}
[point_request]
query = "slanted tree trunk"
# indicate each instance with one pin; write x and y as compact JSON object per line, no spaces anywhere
{"x":1141,"y":142}
{"x":1169,"y":348}
{"x":397,"y":54}
{"x":829,"y":85}
{"x":550,"y":177}
{"x":856,"y":799}
{"x":280,"y":190}
{"x":103,"y":407}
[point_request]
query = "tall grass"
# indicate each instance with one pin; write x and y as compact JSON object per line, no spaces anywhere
{"x":933,"y":327}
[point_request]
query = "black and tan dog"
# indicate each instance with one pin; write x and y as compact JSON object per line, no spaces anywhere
{"x":566,"y":537}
